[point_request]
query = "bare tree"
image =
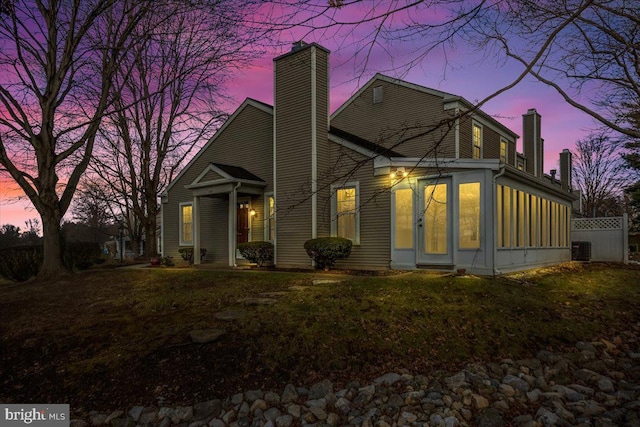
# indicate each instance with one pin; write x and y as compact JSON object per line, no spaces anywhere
{"x":632,"y":160}
{"x":57,"y":61}
{"x":94,"y":211}
{"x":587,"y":50}
{"x":176,"y":71}
{"x":600,"y":174}
{"x":9,"y":236}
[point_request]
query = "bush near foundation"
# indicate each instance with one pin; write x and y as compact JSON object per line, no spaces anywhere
{"x":258,"y":252}
{"x":187,"y":254}
{"x":325,"y":251}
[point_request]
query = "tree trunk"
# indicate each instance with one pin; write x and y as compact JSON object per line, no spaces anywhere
{"x":52,"y":265}
{"x":151,"y":246}
{"x":150,"y":224}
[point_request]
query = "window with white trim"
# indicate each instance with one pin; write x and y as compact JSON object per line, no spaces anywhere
{"x":404,"y":219}
{"x":504,"y":216}
{"x":186,"y":223}
{"x":469,"y":210}
{"x":346,"y":218}
{"x":504,"y":156}
{"x":270,"y":218}
{"x":477,"y":141}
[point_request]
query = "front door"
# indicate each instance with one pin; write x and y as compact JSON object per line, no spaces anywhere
{"x":434,"y":223}
{"x":242,"y":232}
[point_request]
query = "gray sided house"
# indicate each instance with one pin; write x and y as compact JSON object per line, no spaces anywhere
{"x":398,"y":169}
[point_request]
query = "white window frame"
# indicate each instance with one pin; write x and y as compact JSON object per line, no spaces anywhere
{"x":506,"y":151}
{"x":475,"y":124}
{"x":268,"y":217}
{"x":394,"y":220}
{"x":334,"y":209}
{"x":462,"y":244}
{"x":180,"y":224}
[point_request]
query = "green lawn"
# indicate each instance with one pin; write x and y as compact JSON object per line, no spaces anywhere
{"x":104,"y":338}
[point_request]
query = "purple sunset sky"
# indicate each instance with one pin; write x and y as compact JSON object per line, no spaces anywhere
{"x":460,"y":72}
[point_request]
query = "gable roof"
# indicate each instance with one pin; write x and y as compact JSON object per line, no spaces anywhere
{"x":446,"y":99}
{"x":391,"y":80}
{"x":247,"y":102}
{"x":373,"y":148}
{"x":237,"y":172}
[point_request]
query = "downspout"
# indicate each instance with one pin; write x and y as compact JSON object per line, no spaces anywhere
{"x":503,"y":170}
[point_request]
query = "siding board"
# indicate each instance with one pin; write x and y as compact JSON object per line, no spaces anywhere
{"x":245,"y":142}
{"x":374,"y":250}
{"x":293,"y":104}
{"x":403,"y":114}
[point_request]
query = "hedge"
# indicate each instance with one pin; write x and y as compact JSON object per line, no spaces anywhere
{"x":187,"y":254}
{"x":258,"y":252}
{"x":19,"y":263}
{"x":326,"y":250}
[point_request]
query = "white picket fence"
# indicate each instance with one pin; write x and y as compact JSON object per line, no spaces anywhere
{"x":609,"y":237}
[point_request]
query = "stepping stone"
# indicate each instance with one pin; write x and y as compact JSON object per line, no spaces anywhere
{"x":229,"y":315}
{"x":257,"y":301}
{"x":298,"y":288}
{"x":274,"y":294}
{"x":206,"y":335}
{"x":326,"y":282}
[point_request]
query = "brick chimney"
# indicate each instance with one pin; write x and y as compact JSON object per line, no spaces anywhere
{"x":532,"y":143}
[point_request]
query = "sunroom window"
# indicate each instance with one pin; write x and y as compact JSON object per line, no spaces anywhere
{"x":469,"y":203}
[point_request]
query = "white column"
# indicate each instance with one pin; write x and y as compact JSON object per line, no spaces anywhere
{"x":196,"y":230}
{"x":233,"y":201}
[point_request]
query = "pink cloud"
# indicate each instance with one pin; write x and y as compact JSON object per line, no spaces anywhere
{"x":15,"y":207}
{"x":460,"y":72}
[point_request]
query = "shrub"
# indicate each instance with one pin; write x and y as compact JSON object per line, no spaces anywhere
{"x":326,"y":250}
{"x":19,"y":263}
{"x":258,"y":252}
{"x":167,"y":261}
{"x":81,"y":255}
{"x":187,"y":254}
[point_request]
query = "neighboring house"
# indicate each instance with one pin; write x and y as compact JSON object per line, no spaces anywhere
{"x":392,"y":169}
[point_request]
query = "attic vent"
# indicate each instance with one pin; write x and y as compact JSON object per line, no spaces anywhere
{"x":377,"y":94}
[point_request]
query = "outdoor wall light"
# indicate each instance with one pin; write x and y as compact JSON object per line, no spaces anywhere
{"x":399,"y":173}
{"x":253,"y":213}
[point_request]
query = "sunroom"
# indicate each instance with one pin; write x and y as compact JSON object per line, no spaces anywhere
{"x":479,"y":216}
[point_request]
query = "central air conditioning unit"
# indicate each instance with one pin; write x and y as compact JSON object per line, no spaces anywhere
{"x":581,"y":251}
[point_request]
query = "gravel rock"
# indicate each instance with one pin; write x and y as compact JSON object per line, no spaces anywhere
{"x":596,"y":384}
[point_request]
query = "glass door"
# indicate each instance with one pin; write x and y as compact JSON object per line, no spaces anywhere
{"x":434,"y":222}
